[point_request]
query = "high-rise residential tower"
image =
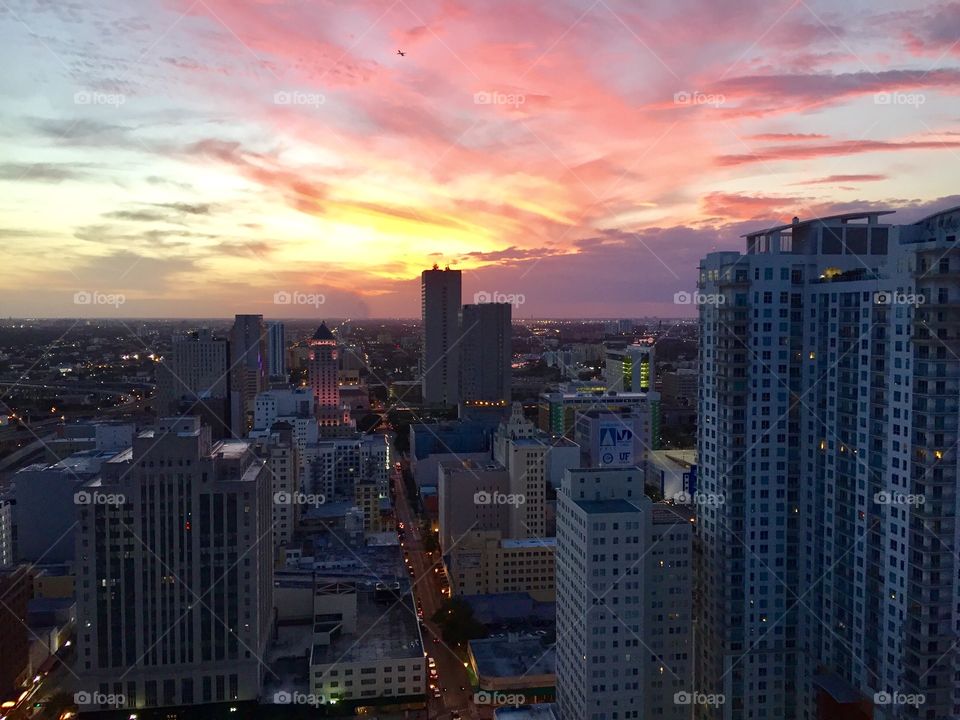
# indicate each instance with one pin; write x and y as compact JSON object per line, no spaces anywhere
{"x":440,"y":352}
{"x":486,"y":354}
{"x":174,"y":577}
{"x":248,"y":369}
{"x":828,"y":424}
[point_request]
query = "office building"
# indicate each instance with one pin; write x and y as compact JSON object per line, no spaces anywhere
{"x":194,"y":379}
{"x":630,"y":368}
{"x":248,"y":369}
{"x":620,"y":437}
{"x":828,"y":426}
{"x":678,"y":388}
{"x":174,"y":570}
{"x":47,"y":497}
{"x":277,"y":349}
{"x":558,"y":410}
{"x":440,"y":350}
{"x":624,"y":599}
{"x":486,"y":353}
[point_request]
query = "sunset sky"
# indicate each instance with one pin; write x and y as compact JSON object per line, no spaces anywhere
{"x":196,"y":157}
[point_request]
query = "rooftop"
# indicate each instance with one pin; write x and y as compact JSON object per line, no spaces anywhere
{"x":541,"y":711}
{"x":607,"y":506}
{"x":513,"y":657}
{"x":529,"y":543}
{"x":390,"y":631}
{"x":870,"y":215}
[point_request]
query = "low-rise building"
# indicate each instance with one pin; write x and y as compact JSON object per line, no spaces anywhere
{"x":515,"y":670}
{"x":366,"y":652}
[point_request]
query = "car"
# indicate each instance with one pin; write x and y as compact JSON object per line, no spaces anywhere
{"x":431,"y":662}
{"x":436,"y":691}
{"x":455,"y":715}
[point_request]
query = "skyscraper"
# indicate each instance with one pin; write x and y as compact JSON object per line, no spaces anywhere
{"x":624,"y":599}
{"x":174,"y":580}
{"x":323,"y":372}
{"x":440,"y":352}
{"x":276,"y":349}
{"x":486,"y":354}
{"x":828,"y":426}
{"x":248,"y":369}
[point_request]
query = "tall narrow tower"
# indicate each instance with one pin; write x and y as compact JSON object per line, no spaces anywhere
{"x":322,"y":371}
{"x":440,"y":354}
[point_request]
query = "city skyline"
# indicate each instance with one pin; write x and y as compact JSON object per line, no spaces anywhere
{"x":200,"y":158}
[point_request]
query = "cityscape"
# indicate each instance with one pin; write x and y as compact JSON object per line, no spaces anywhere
{"x":480,"y":360}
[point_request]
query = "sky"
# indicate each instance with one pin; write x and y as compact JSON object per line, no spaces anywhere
{"x":201,"y":158}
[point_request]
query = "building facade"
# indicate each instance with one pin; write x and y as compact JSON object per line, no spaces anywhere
{"x":624,"y":574}
{"x":248,"y":369}
{"x":175,"y":562}
{"x":828,"y":409}
{"x":440,"y":351}
{"x":486,"y":352}
{"x":276,"y":349}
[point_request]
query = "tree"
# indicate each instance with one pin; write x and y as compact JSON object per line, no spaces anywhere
{"x":457,"y":623}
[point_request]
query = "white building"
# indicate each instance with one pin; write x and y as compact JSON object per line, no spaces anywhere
{"x":294,"y":406}
{"x":828,"y":425}
{"x":624,"y":599}
{"x":174,"y":577}
{"x":440,"y":351}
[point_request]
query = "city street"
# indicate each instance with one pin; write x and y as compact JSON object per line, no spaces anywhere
{"x":450,"y":669}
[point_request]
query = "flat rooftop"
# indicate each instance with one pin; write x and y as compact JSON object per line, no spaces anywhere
{"x":390,"y":631}
{"x":511,"y":658}
{"x":607,"y":506}
{"x":514,"y":544}
{"x":542,"y":711}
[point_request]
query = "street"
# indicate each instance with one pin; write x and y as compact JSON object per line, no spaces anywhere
{"x":452,"y":676}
